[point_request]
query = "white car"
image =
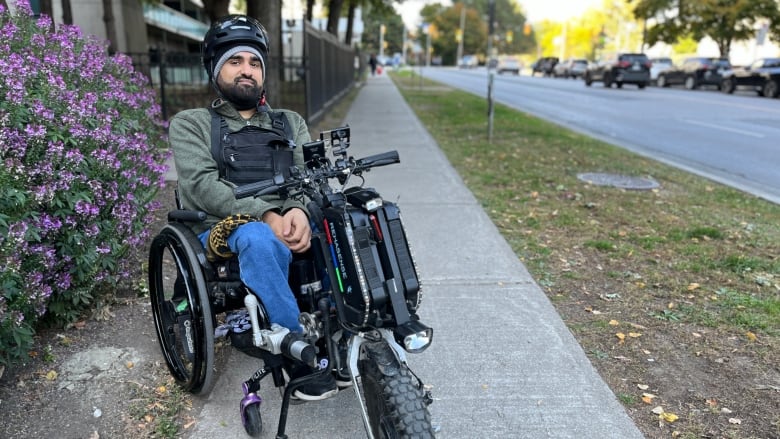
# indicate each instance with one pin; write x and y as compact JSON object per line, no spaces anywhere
{"x":659,"y":65}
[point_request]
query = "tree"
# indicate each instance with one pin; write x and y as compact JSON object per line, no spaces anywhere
{"x":334,"y":14}
{"x":269,"y":12}
{"x":215,"y":9}
{"x":375,"y":15}
{"x":724,"y":21}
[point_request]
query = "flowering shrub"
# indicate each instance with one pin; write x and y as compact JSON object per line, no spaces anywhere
{"x":80,"y":142}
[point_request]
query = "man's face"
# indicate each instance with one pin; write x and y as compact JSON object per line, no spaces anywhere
{"x":241,"y":80}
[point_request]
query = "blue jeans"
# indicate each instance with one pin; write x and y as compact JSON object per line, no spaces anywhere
{"x":264,"y":262}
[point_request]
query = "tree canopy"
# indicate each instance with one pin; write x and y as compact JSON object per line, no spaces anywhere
{"x":724,"y":21}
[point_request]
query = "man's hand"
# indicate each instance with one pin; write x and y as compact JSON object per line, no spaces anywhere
{"x":292,"y":229}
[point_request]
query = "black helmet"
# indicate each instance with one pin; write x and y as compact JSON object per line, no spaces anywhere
{"x":230,"y":31}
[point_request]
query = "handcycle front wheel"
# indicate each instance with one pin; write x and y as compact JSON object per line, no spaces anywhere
{"x":181,"y":308}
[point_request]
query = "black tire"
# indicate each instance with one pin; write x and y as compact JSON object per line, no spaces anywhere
{"x":607,"y":81}
{"x":619,"y":84}
{"x":727,"y":86}
{"x":253,"y":420}
{"x":641,"y":85}
{"x":181,"y":309}
{"x":771,"y":89}
{"x":690,"y":83}
{"x":588,"y":80}
{"x":394,"y":400}
{"x":661,"y":81}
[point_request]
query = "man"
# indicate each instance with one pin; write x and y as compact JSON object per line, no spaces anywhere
{"x":235,"y":52}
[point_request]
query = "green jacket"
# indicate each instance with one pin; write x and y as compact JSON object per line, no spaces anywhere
{"x":200,"y":187}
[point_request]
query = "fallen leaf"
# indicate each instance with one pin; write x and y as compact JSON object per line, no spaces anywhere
{"x":692,"y":286}
{"x":129,"y":364}
{"x":725,"y":410}
{"x":668,"y":417}
{"x":671,"y":305}
{"x":51,"y":375}
{"x":643,"y":386}
{"x":621,"y":336}
{"x":80,"y":324}
{"x":596,"y":312}
{"x":614,"y":322}
{"x":657,"y":410}
{"x":735,"y":421}
{"x":148,"y":418}
{"x":635,"y":326}
{"x":750,"y":336}
{"x":647,"y":398}
{"x":712,"y":402}
{"x":696,"y":334}
{"x":634,"y":334}
{"x":161,"y":389}
{"x":646,"y":352}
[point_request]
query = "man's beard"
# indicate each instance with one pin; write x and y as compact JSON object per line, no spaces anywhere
{"x":242,"y":97}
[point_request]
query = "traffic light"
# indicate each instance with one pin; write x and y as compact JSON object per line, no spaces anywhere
{"x":527,"y":29}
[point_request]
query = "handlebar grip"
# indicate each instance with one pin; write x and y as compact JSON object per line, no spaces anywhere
{"x":383,"y":159}
{"x":250,"y":189}
{"x":194,"y":216}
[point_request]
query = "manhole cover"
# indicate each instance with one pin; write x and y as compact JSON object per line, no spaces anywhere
{"x":617,"y":180}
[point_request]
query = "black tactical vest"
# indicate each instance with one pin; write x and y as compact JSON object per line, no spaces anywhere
{"x":252,"y":153}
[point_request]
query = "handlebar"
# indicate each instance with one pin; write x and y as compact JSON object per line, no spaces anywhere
{"x":265,"y":187}
{"x":383,"y":159}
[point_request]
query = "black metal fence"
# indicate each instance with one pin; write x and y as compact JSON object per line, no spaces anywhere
{"x":309,"y":85}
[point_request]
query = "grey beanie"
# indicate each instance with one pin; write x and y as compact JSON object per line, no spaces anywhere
{"x":222,"y":59}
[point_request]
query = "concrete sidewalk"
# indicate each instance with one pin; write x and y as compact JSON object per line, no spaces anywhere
{"x":502,"y":363}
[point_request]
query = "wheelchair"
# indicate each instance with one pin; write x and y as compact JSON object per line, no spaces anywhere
{"x":188,"y":292}
{"x":357,"y":289}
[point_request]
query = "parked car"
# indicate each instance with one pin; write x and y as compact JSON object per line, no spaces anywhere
{"x":468,"y":62}
{"x":659,"y":65}
{"x":571,"y":68}
{"x":508,"y":64}
{"x":763,"y":76}
{"x":544,"y":65}
{"x":623,"y":68}
{"x":695,"y":72}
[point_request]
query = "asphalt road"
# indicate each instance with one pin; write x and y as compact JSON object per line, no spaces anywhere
{"x":732,"y":139}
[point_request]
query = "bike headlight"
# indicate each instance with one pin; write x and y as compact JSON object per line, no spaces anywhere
{"x":373,"y":204}
{"x":414,"y":336}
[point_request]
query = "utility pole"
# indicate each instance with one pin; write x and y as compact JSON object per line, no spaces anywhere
{"x":462,"y":32}
{"x":382,"y":41}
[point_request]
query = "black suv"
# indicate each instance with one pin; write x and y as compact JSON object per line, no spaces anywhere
{"x":544,"y":65}
{"x":763,"y":77}
{"x":623,"y":68}
{"x":695,"y":72}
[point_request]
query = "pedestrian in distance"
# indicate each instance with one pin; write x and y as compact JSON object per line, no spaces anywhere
{"x":372,"y":61}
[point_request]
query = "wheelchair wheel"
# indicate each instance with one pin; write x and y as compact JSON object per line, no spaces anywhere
{"x":181,"y":309}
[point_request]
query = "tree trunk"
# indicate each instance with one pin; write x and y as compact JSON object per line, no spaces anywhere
{"x":108,"y":19}
{"x":67,"y":12}
{"x":47,"y":9}
{"x":334,"y":13}
{"x":309,"y":10}
{"x":269,"y":12}
{"x":350,"y":22}
{"x":215,"y":9}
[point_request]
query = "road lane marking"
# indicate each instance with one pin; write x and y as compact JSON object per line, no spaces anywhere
{"x":718,"y":127}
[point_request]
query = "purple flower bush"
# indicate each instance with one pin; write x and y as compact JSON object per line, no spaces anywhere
{"x":81,"y":141}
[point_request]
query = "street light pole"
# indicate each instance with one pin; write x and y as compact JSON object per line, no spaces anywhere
{"x":490,"y":67}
